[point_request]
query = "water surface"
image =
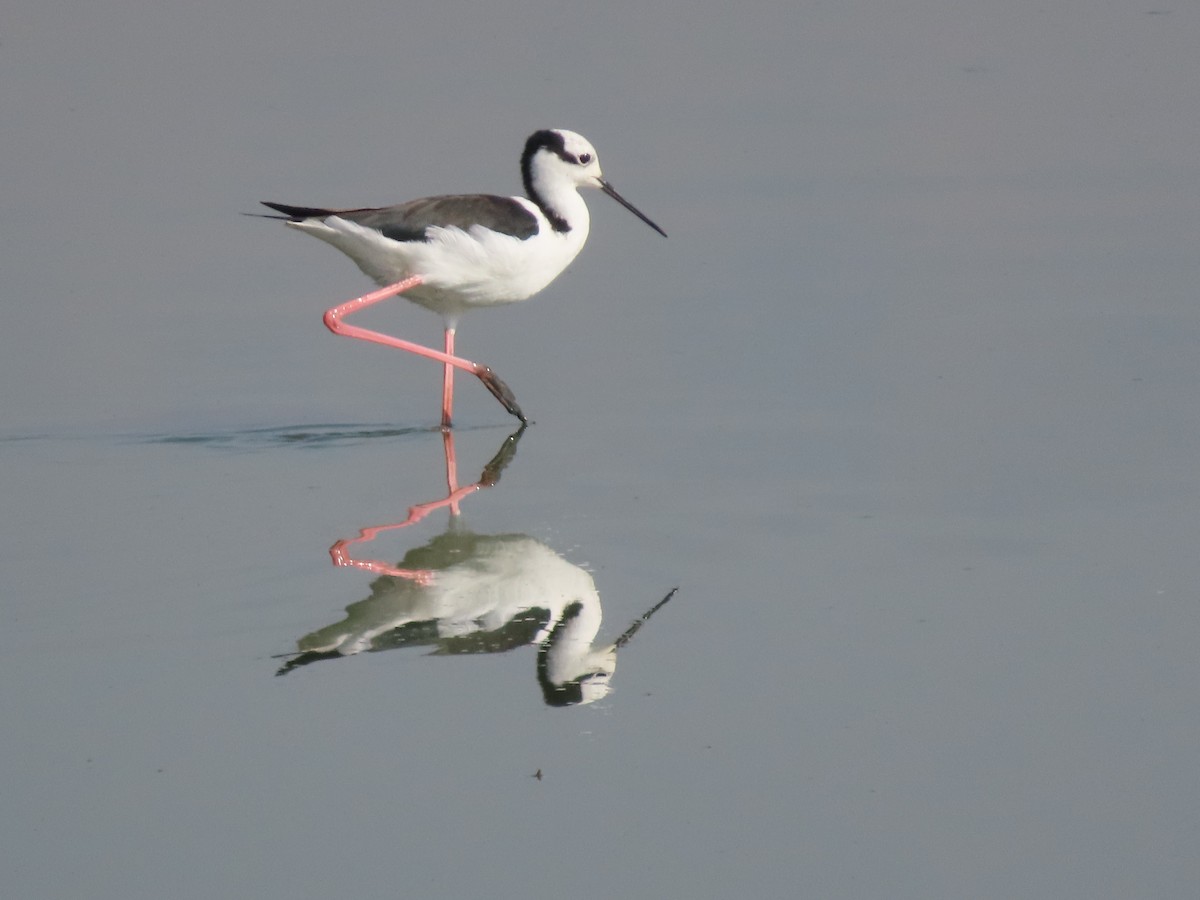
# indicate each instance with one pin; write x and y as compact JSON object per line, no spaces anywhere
{"x":905,"y":408}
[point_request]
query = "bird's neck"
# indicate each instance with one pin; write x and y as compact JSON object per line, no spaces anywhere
{"x":560,"y":204}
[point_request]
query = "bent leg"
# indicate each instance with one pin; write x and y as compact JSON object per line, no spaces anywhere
{"x":333,"y":321}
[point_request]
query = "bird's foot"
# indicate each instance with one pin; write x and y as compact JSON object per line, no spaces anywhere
{"x":500,"y":391}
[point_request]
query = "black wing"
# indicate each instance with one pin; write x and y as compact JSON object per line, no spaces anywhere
{"x":409,"y":221}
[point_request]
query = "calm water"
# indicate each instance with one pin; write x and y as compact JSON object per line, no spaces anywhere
{"x":905,"y":408}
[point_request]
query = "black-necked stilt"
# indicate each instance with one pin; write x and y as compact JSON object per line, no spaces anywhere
{"x":452,"y":253}
{"x":464,"y":592}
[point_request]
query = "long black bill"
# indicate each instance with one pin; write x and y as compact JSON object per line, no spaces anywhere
{"x":612,"y":192}
{"x":636,"y":626}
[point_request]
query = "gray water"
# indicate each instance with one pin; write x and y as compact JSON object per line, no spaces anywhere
{"x":905,"y":407}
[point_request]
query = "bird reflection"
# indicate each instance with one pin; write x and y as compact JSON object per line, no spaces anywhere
{"x":464,"y":592}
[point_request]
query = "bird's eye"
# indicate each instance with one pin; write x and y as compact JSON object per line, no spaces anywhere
{"x":585,"y":158}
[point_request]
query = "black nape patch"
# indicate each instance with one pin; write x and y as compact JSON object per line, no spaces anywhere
{"x":544,"y":140}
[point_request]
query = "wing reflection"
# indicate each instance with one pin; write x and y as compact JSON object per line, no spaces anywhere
{"x":464,"y":592}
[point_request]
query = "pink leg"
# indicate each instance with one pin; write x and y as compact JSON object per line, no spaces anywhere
{"x":333,"y":321}
{"x":340,"y":552}
{"x":448,"y":381}
{"x":451,"y":470}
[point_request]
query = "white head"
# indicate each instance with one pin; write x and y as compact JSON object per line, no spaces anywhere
{"x":557,"y":155}
{"x":570,"y":670}
{"x":557,"y":158}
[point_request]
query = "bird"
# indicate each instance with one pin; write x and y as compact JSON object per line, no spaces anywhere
{"x":465,"y":592}
{"x":487,"y":593}
{"x":453,"y":253}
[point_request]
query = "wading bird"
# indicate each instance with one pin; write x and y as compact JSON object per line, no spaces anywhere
{"x":454,"y":253}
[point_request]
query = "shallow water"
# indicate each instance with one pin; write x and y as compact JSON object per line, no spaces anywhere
{"x":904,"y":408}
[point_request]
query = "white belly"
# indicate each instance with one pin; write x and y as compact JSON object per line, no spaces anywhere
{"x":461,"y":269}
